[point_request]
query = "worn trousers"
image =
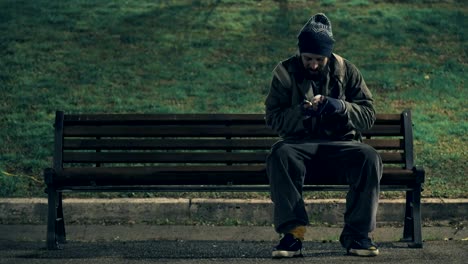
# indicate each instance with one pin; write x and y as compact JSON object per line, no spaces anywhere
{"x":353,"y":163}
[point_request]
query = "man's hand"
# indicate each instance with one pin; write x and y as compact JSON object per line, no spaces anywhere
{"x":322,"y":105}
{"x":331,"y":106}
{"x":313,"y":108}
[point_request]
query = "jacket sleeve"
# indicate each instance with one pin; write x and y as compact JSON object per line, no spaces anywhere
{"x":283,"y":117}
{"x":360,"y":112}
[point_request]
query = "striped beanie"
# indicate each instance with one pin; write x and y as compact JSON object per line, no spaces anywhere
{"x":316,"y":36}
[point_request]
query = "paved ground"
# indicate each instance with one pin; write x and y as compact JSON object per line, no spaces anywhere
{"x":238,"y":252}
{"x":118,"y":231}
{"x":117,"y":244}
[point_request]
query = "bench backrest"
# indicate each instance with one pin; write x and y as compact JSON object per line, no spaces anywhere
{"x":149,"y":140}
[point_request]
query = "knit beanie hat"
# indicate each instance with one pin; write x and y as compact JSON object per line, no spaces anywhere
{"x":316,"y":36}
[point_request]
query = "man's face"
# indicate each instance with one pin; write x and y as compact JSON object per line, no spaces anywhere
{"x":313,"y":63}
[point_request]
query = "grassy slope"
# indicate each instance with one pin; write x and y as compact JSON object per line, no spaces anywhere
{"x":216,"y":56}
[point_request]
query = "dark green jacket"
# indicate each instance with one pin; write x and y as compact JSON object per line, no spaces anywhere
{"x":289,"y":88}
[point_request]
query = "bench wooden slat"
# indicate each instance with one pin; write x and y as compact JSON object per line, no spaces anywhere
{"x":197,"y":175}
{"x":394,"y":119}
{"x":164,"y":157}
{"x":169,"y":131}
{"x":383,"y":130}
{"x":170,"y":144}
{"x":184,"y":119}
{"x":399,"y":176}
{"x":185,"y":157}
{"x":201,"y":144}
{"x":198,"y":130}
{"x":157,"y":119}
{"x":385,"y":144}
{"x":392,"y":158}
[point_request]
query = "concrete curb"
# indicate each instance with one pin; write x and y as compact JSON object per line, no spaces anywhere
{"x":212,"y":211}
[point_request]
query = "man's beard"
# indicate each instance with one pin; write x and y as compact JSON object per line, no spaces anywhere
{"x":314,"y":74}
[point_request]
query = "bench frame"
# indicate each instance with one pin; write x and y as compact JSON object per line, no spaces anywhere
{"x":169,"y":132}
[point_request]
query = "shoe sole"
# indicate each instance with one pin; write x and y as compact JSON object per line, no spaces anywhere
{"x":363,"y":252}
{"x":286,"y":254}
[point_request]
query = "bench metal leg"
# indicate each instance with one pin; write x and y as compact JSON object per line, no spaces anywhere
{"x":412,"y":231}
{"x":417,"y":223}
{"x":52,"y":241}
{"x":408,"y":230}
{"x":60,"y":222}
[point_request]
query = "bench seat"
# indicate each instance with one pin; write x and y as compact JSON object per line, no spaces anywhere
{"x":201,"y":152}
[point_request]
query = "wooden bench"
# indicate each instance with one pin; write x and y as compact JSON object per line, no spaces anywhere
{"x":200,"y":152}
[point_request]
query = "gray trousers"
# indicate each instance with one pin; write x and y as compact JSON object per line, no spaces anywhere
{"x":358,"y":165}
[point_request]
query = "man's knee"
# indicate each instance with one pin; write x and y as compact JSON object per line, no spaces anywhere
{"x":279,"y":152}
{"x":370,"y":155}
{"x":370,"y":167}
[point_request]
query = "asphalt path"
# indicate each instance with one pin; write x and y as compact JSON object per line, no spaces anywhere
{"x":239,"y":252}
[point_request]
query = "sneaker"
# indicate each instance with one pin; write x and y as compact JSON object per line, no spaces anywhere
{"x":363,"y":247}
{"x":288,"y":247}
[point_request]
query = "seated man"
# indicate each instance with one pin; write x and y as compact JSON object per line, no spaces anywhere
{"x":318,"y":103}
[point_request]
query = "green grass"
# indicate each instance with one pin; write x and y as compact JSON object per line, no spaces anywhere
{"x":211,"y":56}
